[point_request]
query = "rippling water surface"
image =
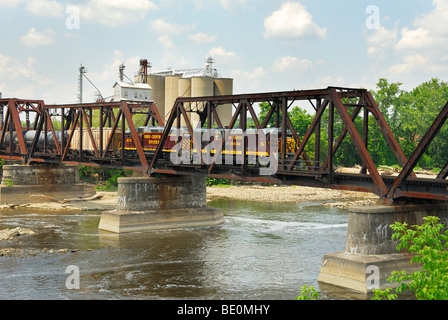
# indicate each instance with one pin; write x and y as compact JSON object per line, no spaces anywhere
{"x":262,"y":251}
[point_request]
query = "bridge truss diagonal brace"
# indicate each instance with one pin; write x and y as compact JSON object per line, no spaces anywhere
{"x":16,"y":124}
{"x":380,"y":186}
{"x":387,"y":132}
{"x":308,"y":134}
{"x":175,"y":113}
{"x":134,"y":135}
{"x":394,"y":191}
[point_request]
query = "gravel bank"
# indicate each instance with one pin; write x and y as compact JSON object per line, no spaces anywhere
{"x":291,"y":194}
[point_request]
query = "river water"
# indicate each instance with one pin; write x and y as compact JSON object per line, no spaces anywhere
{"x":262,"y":251}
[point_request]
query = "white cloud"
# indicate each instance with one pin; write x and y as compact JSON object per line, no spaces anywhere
{"x":381,"y":40}
{"x":171,"y":52}
{"x":202,"y":38}
{"x":166,"y":42}
{"x":412,"y":52}
{"x":326,"y":81}
{"x":115,"y":13}
{"x":162,"y":27}
{"x":221,"y":55}
{"x":45,"y":8}
{"x":10,"y":3}
{"x":292,"y":21}
{"x":22,"y":80}
{"x":232,"y":5}
{"x":289,"y":63}
{"x":416,"y":64}
{"x":415,"y":39}
{"x":250,"y":81}
{"x":256,"y":74}
{"x":35,"y":38}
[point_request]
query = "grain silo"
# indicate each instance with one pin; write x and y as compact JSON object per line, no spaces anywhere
{"x":222,"y":87}
{"x":198,"y":82}
{"x":171,"y":92}
{"x":184,"y":87}
{"x":201,"y":87}
{"x":157,"y":84}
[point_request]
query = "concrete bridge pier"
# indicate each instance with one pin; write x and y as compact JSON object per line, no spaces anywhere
{"x":145,"y":204}
{"x":22,"y":184}
{"x":371,"y":254}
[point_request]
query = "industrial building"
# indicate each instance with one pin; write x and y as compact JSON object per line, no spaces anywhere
{"x":140,"y":91}
{"x":169,"y":84}
{"x":132,"y":91}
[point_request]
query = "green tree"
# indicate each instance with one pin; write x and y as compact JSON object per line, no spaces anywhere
{"x":390,"y":99}
{"x":428,"y":243}
{"x":426,"y":102}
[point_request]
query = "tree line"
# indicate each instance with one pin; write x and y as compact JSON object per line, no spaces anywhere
{"x":409,"y":115}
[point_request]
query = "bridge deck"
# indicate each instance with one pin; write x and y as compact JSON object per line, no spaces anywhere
{"x":96,"y":134}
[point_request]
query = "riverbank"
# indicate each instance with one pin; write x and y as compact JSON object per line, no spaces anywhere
{"x":290,"y":194}
{"x":104,"y":201}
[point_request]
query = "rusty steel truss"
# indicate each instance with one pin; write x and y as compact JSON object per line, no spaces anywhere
{"x":97,"y":127}
{"x":60,"y":134}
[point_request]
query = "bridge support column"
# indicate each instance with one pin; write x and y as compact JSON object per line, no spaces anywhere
{"x":37,"y":183}
{"x":145,"y":204}
{"x":371,"y":254}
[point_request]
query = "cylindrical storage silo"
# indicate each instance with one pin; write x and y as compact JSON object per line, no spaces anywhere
{"x":184,"y":92}
{"x":222,"y":87}
{"x":201,"y":87}
{"x":157,"y":84}
{"x":171,"y":93}
{"x":184,"y":89}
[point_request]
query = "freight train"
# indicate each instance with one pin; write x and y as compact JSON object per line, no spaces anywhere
{"x":149,"y":137}
{"x":210,"y":141}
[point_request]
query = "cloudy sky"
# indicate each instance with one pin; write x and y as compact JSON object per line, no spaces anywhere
{"x":265,"y":45}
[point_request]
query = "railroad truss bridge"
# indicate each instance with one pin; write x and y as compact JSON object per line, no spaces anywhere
{"x":112,"y":135}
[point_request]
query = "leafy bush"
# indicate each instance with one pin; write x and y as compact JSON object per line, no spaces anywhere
{"x":103,"y":178}
{"x":217,"y":181}
{"x":308,"y":293}
{"x":428,"y":242}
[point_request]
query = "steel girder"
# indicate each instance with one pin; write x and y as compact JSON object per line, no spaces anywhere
{"x":337,"y":113}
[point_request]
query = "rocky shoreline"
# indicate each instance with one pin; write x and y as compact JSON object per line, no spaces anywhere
{"x":15,"y":233}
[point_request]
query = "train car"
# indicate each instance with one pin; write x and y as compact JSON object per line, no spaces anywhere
{"x":150,"y":137}
{"x":87,"y":144}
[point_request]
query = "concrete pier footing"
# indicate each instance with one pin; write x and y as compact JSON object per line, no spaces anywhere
{"x":371,"y":254}
{"x":37,"y":183}
{"x":145,"y":204}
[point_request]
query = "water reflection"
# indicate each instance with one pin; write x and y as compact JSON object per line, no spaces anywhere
{"x":262,"y":251}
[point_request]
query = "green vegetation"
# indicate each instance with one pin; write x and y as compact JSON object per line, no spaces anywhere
{"x":308,"y":293}
{"x":217,"y":182}
{"x":8,"y":182}
{"x":104,"y":179}
{"x":428,"y":242}
{"x":408,"y":113}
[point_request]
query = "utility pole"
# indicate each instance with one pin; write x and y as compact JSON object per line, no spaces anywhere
{"x":82,"y":70}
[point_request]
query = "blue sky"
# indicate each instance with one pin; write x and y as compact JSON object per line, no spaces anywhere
{"x":264,"y":45}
